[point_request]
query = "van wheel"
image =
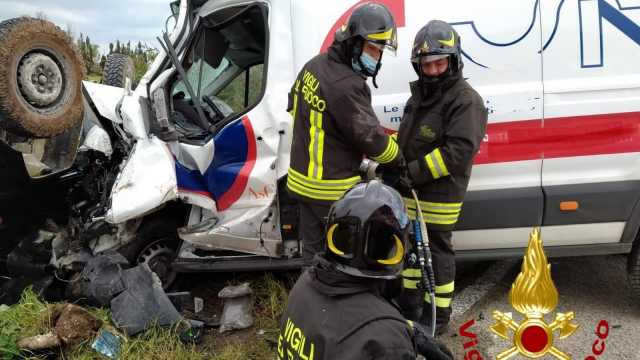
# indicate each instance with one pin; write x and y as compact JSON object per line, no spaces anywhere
{"x":155,"y":244}
{"x":118,"y":68}
{"x":40,"y":78}
{"x":633,"y":269}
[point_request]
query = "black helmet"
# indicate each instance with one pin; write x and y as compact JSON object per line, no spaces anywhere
{"x":435,"y":40}
{"x":370,"y":22}
{"x":367,"y":230}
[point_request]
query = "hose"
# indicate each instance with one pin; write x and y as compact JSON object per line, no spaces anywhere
{"x":424,"y":258}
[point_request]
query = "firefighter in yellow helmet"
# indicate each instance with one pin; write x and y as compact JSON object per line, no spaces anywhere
{"x":334,"y":124}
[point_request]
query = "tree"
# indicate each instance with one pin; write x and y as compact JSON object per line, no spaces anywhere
{"x":118,"y":49}
{"x":110,"y":48}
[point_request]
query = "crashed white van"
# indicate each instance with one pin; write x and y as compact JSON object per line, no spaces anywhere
{"x":208,"y":127}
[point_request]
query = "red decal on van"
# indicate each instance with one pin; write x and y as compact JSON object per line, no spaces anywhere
{"x":561,"y":137}
{"x":395,"y":6}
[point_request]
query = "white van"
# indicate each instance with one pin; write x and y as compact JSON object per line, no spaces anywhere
{"x":561,"y":80}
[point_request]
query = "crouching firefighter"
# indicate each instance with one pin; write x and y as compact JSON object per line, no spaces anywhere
{"x":443,"y":125}
{"x":338,"y":309}
{"x":334,"y":124}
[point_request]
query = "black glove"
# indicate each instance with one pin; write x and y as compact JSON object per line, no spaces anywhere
{"x":429,"y":347}
{"x":396,"y":176}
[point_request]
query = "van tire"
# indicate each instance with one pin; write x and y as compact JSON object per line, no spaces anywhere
{"x":41,"y":73}
{"x":633,"y":269}
{"x":117,"y":68}
{"x":156,"y":244}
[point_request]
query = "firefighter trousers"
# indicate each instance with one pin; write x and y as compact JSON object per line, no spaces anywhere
{"x":312,"y":224}
{"x":415,"y":304}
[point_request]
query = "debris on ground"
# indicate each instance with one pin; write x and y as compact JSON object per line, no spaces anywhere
{"x":236,"y":313}
{"x":107,"y":343}
{"x":100,"y":280}
{"x":72,"y":325}
{"x":143,"y":303}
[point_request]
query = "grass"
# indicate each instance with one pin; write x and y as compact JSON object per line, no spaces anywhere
{"x":30,"y":317}
{"x":96,"y":78}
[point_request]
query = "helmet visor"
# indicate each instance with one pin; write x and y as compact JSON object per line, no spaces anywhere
{"x":384,"y":238}
{"x":385,"y":41}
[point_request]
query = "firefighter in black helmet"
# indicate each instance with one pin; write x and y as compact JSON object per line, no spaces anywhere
{"x":443,"y":124}
{"x":337,"y":309}
{"x":333,"y":122}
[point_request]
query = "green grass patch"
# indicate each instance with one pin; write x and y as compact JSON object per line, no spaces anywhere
{"x":31,"y":317}
{"x":96,"y":78}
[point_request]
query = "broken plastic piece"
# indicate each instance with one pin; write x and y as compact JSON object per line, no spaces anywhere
{"x":143,"y":303}
{"x":236,"y":313}
{"x":107,"y":344}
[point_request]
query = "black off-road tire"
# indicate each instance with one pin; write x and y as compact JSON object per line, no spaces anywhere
{"x":633,"y":269}
{"x":117,"y":68}
{"x":41,"y":73}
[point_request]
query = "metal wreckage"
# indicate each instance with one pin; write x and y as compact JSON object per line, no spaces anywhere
{"x":179,"y":174}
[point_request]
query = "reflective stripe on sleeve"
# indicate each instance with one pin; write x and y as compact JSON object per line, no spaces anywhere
{"x":435,"y":164}
{"x":389,"y":153}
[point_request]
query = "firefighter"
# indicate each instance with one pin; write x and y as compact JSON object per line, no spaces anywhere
{"x":333,"y":122}
{"x":338,"y":309}
{"x":443,"y":124}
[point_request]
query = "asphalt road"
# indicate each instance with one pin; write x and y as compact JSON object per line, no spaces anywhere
{"x":594,"y":288}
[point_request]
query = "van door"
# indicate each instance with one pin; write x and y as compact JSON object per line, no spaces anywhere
{"x":591,"y":138}
{"x":226,"y":163}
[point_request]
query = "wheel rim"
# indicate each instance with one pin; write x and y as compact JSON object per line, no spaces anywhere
{"x":158,"y":256}
{"x":40,"y":79}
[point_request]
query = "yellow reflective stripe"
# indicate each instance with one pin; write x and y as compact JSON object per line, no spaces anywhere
{"x":311,"y":171}
{"x":446,"y":288}
{"x":435,"y":207}
{"x":337,"y":184}
{"x":381,"y":36}
{"x":410,"y":284}
{"x":411,"y":272}
{"x":410,"y":324}
{"x":435,"y":164}
{"x":316,"y":145}
{"x":394,"y":136}
{"x":431,"y":166}
{"x":294,"y":111}
{"x":440,"y":301}
{"x":434,"y":218}
{"x":440,"y":161}
{"x":313,"y":194}
{"x":320,"y":154}
{"x":389,"y":153}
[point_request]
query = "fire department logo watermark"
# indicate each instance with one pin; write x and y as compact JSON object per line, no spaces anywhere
{"x":533,"y":294}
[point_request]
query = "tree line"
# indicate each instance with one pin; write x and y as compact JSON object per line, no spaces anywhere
{"x":141,"y":54}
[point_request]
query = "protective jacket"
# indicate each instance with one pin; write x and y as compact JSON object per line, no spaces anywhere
{"x":440,"y":133}
{"x":334,"y":126}
{"x":331,"y":315}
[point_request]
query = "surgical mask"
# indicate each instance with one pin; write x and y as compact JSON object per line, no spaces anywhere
{"x":370,"y":64}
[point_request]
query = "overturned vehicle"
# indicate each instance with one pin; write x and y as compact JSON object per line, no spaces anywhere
{"x":184,"y":173}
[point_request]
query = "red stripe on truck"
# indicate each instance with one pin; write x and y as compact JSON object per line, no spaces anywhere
{"x":561,"y":137}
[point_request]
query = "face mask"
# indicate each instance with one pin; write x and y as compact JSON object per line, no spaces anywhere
{"x":370,"y":64}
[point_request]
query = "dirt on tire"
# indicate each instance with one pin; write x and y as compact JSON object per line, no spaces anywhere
{"x":41,"y":73}
{"x":117,"y":68}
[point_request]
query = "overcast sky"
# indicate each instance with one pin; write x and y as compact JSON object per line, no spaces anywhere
{"x":103,"y":20}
